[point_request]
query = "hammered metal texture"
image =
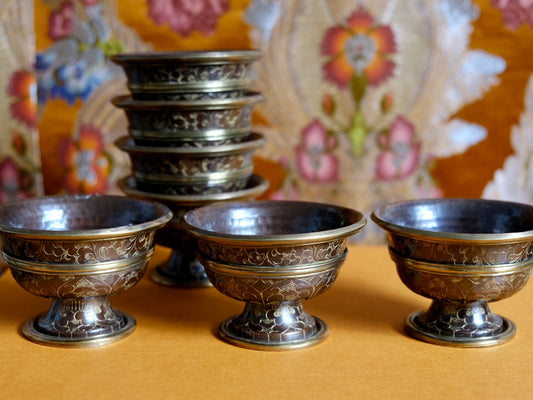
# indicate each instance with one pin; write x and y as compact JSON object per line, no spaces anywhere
{"x":272,"y":255}
{"x":462,"y":254}
{"x":78,"y":251}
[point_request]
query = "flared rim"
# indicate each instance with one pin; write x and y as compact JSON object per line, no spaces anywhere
{"x":127,"y":102}
{"x":251,"y":142}
{"x":256,"y":186}
{"x":355,"y":221}
{"x":161,"y":215}
{"x":383,"y":216}
{"x":230,"y":56}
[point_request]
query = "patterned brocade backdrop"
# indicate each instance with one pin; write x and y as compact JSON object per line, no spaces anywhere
{"x":366,"y":101}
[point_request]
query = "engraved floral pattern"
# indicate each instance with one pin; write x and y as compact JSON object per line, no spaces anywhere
{"x":77,"y":251}
{"x":268,"y":290}
{"x":462,"y":253}
{"x":173,"y":74}
{"x":462,"y":288}
{"x":178,"y":165}
{"x":280,"y":256}
{"x":185,"y":121}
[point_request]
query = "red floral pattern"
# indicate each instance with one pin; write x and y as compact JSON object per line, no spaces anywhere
{"x":60,"y":23}
{"x":401,"y":151}
{"x":22,"y":89}
{"x":515,"y":13}
{"x":187,"y":16}
{"x":361,"y":47}
{"x":314,"y":157}
{"x":86,"y":163}
{"x":15,"y":183}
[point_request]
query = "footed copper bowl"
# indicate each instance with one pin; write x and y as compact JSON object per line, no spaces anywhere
{"x":192,"y":170}
{"x":191,"y":123}
{"x":462,"y":254}
{"x":78,"y":251}
{"x":273,"y":255}
{"x":188,"y":75}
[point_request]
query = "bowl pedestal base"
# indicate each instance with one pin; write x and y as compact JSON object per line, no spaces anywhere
{"x":273,"y":326}
{"x":182,"y":269}
{"x":79,"y":323}
{"x":460,"y":324}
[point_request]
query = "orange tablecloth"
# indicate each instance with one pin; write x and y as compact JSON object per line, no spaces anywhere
{"x":174,"y":352}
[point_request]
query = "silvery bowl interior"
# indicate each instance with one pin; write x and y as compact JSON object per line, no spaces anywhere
{"x":461,"y":219}
{"x":81,"y":215}
{"x":272,"y":220}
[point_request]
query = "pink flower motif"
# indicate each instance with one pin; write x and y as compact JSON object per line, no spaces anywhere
{"x":401,"y":154}
{"x":186,"y":16}
{"x":314,"y":158}
{"x":14,"y":182}
{"x":515,"y":12}
{"x":60,"y":22}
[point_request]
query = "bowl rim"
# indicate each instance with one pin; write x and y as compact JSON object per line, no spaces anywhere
{"x":295,"y":238}
{"x":200,"y":57}
{"x":253,"y":141}
{"x":89,"y":234}
{"x":429,"y":235}
{"x":128,"y":186}
{"x":126,"y":101}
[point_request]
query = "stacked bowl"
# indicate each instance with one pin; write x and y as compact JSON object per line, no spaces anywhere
{"x":190,"y":141}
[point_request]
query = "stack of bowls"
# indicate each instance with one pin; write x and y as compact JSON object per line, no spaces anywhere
{"x":190,"y":141}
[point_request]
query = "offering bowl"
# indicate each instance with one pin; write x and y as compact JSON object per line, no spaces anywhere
{"x":462,"y":254}
{"x":187,"y":75}
{"x":273,"y":255}
{"x":78,"y":251}
{"x":182,"y":268}
{"x":189,"y":123}
{"x":192,"y":170}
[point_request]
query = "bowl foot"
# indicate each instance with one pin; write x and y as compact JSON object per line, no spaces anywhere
{"x":180,"y":270}
{"x":273,"y":326}
{"x":460,"y":324}
{"x":45,"y":329}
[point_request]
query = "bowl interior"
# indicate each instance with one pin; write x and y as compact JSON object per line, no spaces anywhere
{"x":272,"y":218}
{"x":468,"y":216}
{"x":79,"y":213}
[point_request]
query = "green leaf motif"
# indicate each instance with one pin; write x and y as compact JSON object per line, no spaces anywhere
{"x":357,"y":133}
{"x":358,"y":85}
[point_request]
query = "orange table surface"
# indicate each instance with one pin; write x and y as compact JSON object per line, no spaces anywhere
{"x":174,"y":352}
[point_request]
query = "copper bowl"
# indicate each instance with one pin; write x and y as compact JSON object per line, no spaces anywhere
{"x":462,"y":254}
{"x":194,"y":170}
{"x":195,"y":123}
{"x":78,"y":251}
{"x":273,"y":255}
{"x":187,"y":74}
{"x":182,"y":268}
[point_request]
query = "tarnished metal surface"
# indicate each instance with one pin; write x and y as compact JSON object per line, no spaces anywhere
{"x":462,"y":253}
{"x":273,"y":255}
{"x":78,"y":251}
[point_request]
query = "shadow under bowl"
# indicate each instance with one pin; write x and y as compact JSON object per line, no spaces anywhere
{"x":273,"y":255}
{"x":462,"y":254}
{"x":79,"y":250}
